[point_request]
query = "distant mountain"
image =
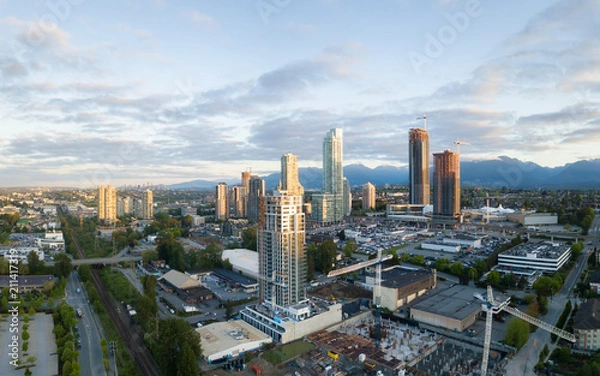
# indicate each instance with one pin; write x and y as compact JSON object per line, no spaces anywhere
{"x":197,"y":185}
{"x":501,"y":172}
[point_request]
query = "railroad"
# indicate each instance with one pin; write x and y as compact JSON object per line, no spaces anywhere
{"x":133,"y":342}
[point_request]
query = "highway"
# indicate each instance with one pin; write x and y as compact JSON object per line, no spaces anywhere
{"x":90,"y":353}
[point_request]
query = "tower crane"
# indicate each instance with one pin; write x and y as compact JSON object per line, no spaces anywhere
{"x":424,"y":118}
{"x":458,"y":143}
{"x":376,"y":288}
{"x":493,"y":306}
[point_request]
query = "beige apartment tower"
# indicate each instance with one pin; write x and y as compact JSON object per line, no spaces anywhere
{"x":368,"y":196}
{"x":147,"y":205}
{"x":222,"y":202}
{"x":290,"y":181}
{"x":107,"y":204}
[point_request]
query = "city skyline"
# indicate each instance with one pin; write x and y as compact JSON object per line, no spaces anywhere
{"x":108,"y":93}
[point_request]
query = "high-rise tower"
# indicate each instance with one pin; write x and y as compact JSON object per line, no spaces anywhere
{"x":418,"y":166}
{"x":222,"y":202}
{"x":257,"y":190}
{"x":107,"y":203}
{"x":368,"y":198}
{"x":333,"y":175}
{"x":290,"y":180}
{"x":147,"y":205}
{"x":281,"y":256}
{"x":446,"y":185}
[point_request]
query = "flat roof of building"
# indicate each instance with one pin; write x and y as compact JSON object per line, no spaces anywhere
{"x":456,"y":302}
{"x":220,"y":336}
{"x":539,"y":250}
{"x":400,"y":277}
{"x":233,"y":276}
{"x":243,"y":258}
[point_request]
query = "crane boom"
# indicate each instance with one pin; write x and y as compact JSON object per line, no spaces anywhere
{"x":493,"y":306}
{"x":360,"y":265}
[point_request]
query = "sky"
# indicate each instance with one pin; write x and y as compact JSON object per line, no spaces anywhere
{"x":159,"y":91}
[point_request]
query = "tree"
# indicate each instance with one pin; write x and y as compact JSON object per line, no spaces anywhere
{"x":62,"y":265}
{"x":493,"y":277}
{"x":442,"y":264}
{"x":35,"y":264}
{"x":326,"y":255}
{"x":456,"y":268}
{"x":249,"y":238}
{"x":85,"y":272}
{"x":517,"y":333}
{"x":546,"y":286}
{"x":170,"y":250}
{"x":177,"y":348}
{"x":350,"y":247}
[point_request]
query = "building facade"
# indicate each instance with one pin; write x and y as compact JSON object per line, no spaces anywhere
{"x":347,"y":198}
{"x":418,"y":166}
{"x":333,"y":171}
{"x":107,"y":203}
{"x":290,"y":180}
{"x":257,"y":190}
{"x":446,"y":185}
{"x":546,"y":257}
{"x":280,"y":240}
{"x":368,"y":201}
{"x":586,"y":325}
{"x":147,"y":205}
{"x":222,"y":202}
{"x":238,"y":198}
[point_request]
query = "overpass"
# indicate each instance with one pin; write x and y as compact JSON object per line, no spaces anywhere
{"x":100,"y":260}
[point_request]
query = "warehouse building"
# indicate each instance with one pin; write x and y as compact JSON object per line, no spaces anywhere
{"x":534,"y":219}
{"x":436,"y":245}
{"x":400,"y":285}
{"x":243,"y":261}
{"x":452,"y":309}
{"x":546,"y":257}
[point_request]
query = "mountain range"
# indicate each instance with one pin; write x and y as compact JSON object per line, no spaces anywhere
{"x":502,"y":172}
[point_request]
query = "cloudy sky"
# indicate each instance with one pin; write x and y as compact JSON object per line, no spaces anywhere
{"x":135,"y":91}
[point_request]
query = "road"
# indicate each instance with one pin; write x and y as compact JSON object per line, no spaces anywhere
{"x":524,"y":361}
{"x":90,"y":354}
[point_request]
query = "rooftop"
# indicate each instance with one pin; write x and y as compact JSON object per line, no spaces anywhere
{"x":457,"y":302}
{"x":588,"y":315}
{"x":180,"y":280}
{"x":400,"y":277}
{"x":220,"y":336}
{"x":540,"y":250}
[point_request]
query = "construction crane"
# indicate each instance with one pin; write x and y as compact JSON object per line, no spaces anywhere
{"x":493,"y":306}
{"x":458,"y":143}
{"x":424,"y":118}
{"x":376,"y":287}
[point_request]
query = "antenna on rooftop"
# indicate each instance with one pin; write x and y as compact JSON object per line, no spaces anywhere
{"x":424,"y":118}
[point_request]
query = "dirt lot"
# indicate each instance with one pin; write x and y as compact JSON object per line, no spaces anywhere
{"x":340,"y":290}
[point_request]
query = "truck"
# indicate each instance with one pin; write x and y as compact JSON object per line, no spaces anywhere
{"x":79,"y":312}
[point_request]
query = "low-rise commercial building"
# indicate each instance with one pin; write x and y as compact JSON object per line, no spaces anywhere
{"x":406,"y":286}
{"x":223,"y":340}
{"x":243,"y":261}
{"x":533,"y":219}
{"x":544,"y":256}
{"x":287,"y":324}
{"x":435,"y":245}
{"x":453,"y":309}
{"x":471,"y":241}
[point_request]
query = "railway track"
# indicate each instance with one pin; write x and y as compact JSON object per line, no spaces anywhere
{"x":132,"y":340}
